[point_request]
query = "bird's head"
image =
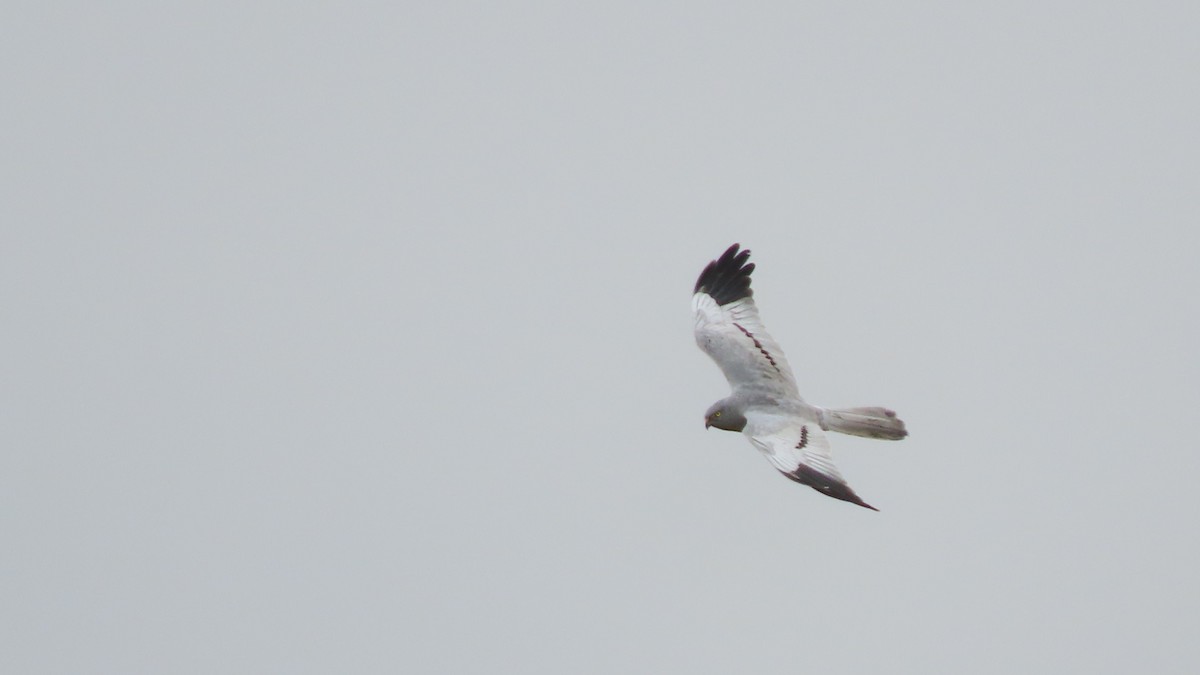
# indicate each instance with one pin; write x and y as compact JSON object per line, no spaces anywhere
{"x":722,"y":415}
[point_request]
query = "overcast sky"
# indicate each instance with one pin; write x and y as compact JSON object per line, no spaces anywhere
{"x":356,"y":338}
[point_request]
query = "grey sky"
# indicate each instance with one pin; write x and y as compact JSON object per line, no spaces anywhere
{"x":353,"y":338}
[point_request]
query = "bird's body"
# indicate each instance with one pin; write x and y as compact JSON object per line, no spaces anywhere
{"x":765,"y":404}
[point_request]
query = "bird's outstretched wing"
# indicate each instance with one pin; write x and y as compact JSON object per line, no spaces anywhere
{"x":800,"y":450}
{"x":729,"y":330}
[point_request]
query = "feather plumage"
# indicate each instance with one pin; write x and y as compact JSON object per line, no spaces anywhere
{"x":770,"y":412}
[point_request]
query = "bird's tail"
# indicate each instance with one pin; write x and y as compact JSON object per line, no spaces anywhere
{"x":869,"y":422}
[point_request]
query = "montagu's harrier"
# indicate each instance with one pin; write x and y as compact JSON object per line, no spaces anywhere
{"x":765,"y":404}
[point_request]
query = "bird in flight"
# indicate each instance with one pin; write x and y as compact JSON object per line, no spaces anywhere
{"x":765,"y":405}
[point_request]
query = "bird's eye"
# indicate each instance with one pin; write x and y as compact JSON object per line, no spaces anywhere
{"x":717,"y":414}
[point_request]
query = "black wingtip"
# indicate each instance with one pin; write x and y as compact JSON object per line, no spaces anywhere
{"x":727,"y":279}
{"x":826,"y":485}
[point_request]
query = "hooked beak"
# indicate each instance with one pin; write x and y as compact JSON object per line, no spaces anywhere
{"x":707,"y":423}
